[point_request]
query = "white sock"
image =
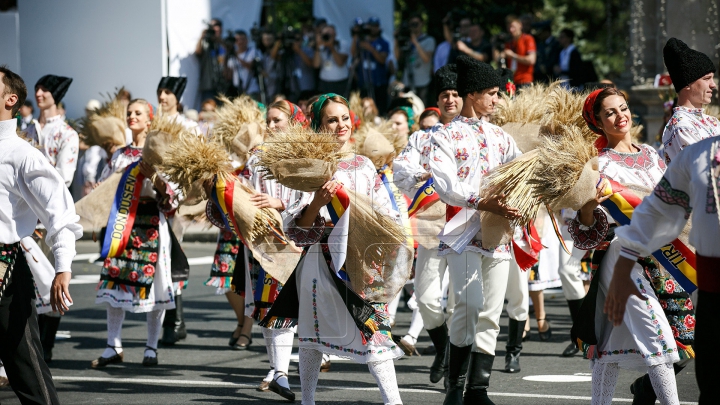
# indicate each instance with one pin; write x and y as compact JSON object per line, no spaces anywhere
{"x":282,"y":380}
{"x":393,"y":305}
{"x":604,"y":378}
{"x":662,"y":378}
{"x":325,"y":358}
{"x":410,"y":339}
{"x":310,"y":360}
{"x":154,"y":325}
{"x":384,"y":373}
{"x":282,"y":343}
{"x":416,"y":325}
{"x":115,"y":318}
{"x":2,"y":372}
{"x":267,"y":335}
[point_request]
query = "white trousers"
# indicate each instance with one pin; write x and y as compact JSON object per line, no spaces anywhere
{"x":429,"y":272}
{"x":569,"y":270}
{"x":479,"y":284}
{"x":517,"y":293}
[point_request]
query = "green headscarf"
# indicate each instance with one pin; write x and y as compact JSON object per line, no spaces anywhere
{"x":409,"y":113}
{"x":317,"y":107}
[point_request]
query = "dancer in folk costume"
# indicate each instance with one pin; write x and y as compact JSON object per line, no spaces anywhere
{"x":692,"y":75}
{"x":462,"y":152}
{"x":169,"y":93}
{"x":689,"y":188}
{"x":645,"y":340}
{"x":412,"y":175}
{"x":138,"y":243}
{"x":60,"y":144}
{"x":32,"y":190}
{"x":326,"y":280}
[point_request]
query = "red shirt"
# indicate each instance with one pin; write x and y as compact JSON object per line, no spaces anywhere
{"x":522,"y":46}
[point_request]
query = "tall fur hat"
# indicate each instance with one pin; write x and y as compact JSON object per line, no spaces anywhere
{"x":175,"y":84}
{"x":685,"y":65}
{"x":446,"y":78}
{"x":56,"y":85}
{"x":473,"y":75}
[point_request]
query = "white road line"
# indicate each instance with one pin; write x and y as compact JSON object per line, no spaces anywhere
{"x":253,"y":386}
{"x":90,"y":257}
{"x":194,"y":261}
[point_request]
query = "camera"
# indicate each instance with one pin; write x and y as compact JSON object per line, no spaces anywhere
{"x":498,"y":41}
{"x":403,"y":36}
{"x":256,"y":34}
{"x":289,"y":36}
{"x":326,"y":37}
{"x":360,"y":30}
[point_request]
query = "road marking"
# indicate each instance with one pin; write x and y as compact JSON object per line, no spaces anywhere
{"x":170,"y":382}
{"x":85,"y":279}
{"x":89,"y":257}
{"x":558,"y":378}
{"x":201,"y":260}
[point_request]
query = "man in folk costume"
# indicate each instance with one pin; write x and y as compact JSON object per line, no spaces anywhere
{"x":411,"y":169}
{"x":463,"y":152}
{"x":169,"y":92}
{"x":692,"y":75}
{"x":31,"y":189}
{"x":60,"y":144}
{"x":688,"y":189}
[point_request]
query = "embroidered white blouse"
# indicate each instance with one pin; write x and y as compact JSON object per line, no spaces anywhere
{"x":30,"y":189}
{"x":60,"y":144}
{"x":685,"y":190}
{"x":461,"y":154}
{"x":686,"y":127}
{"x":412,"y":162}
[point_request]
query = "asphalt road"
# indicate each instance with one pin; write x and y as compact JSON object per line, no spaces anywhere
{"x":203,"y":370}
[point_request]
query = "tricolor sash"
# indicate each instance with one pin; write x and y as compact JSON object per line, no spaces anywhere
{"x":122,"y":213}
{"x":676,"y":257}
{"x":386,"y":176}
{"x":222,"y":196}
{"x":338,"y":209}
{"x":425,"y":196}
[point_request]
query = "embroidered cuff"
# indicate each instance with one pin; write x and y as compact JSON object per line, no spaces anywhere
{"x":585,"y":237}
{"x":306,"y":237}
{"x":473,"y":200}
{"x":629,"y":253}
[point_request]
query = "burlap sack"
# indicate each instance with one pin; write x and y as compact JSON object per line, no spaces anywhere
{"x":379,"y":257}
{"x":249,"y":136}
{"x":94,"y":208}
{"x":306,"y":175}
{"x":105,"y":131}
{"x":494,"y":230}
{"x":428,"y":224}
{"x":584,"y":189}
{"x":526,"y":136}
{"x":377,"y":148}
{"x":156,"y":146}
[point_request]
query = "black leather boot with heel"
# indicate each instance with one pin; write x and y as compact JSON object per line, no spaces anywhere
{"x":514,"y":346}
{"x":478,"y":379}
{"x":457,"y":370}
{"x":439,"y":337}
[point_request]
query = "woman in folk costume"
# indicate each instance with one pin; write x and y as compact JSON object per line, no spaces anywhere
{"x":271,"y":194}
{"x":645,"y":341}
{"x":325,"y":282}
{"x":136,"y":273}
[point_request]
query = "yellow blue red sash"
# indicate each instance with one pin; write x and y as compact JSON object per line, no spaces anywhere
{"x":122,"y":213}
{"x":675,"y":257}
{"x":425,"y":196}
{"x":222,"y":196}
{"x":386,"y":178}
{"x":338,"y":205}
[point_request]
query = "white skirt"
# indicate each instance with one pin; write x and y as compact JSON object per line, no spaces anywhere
{"x":644,"y":339}
{"x":324,"y":323}
{"x":161,"y":294}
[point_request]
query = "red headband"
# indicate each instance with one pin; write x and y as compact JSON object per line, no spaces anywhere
{"x":437,"y":110}
{"x":589,"y":116}
{"x":297,"y":115}
{"x":151,"y":111}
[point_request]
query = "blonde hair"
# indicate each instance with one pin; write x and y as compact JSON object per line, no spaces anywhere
{"x":148,"y":107}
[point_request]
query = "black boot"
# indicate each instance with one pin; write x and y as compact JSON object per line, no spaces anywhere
{"x":439,"y":338}
{"x":457,"y":370}
{"x":574,"y":306}
{"x":643,"y":391}
{"x":180,"y":330}
{"x":48,"y":329}
{"x":514,"y":346}
{"x":478,"y":379}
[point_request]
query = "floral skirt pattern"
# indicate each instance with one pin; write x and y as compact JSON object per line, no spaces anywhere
{"x":228,"y":251}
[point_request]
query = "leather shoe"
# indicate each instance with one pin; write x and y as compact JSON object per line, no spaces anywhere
{"x":280,"y":390}
{"x":104,"y":361}
{"x":571,"y":350}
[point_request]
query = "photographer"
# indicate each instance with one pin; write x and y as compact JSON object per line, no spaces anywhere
{"x":331,"y":58}
{"x":296,"y":71}
{"x":475,"y":46}
{"x":416,"y":55}
{"x":241,"y":64}
{"x":520,"y":53}
{"x":270,"y":48}
{"x":210,"y":50}
{"x":370,"y":52}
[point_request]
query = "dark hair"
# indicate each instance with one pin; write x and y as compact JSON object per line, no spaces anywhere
{"x":14,"y":84}
{"x":241,"y":32}
{"x":428,"y":113}
{"x":29,"y":103}
{"x":605,"y":93}
{"x":124,"y":93}
{"x":416,"y":15}
{"x":568,"y":33}
{"x":217,"y":21}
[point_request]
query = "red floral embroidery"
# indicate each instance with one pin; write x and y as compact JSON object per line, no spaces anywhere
{"x":224,"y":267}
{"x":133,"y":276}
{"x":137,"y":242}
{"x":234,"y":250}
{"x":689,"y":305}
{"x":114,"y":271}
{"x":107,"y":263}
{"x":152,"y":234}
{"x":689,"y":322}
{"x":148,"y":270}
{"x":669,"y":286}
{"x":227,"y":236}
{"x":153,"y":257}
{"x":155,"y":220}
{"x":675,"y":331}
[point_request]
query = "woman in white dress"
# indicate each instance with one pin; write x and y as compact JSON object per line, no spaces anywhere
{"x":320,"y":307}
{"x":644,"y":341}
{"x":138,"y":278}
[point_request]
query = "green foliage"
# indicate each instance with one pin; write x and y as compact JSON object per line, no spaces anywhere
{"x":281,"y":13}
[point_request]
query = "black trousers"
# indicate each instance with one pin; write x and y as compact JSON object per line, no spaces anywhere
{"x":707,"y":360}
{"x":20,"y":349}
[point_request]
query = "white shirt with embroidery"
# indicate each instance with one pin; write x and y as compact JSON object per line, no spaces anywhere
{"x":686,"y":127}
{"x":684,"y":191}
{"x":412,"y":162}
{"x":59,"y":143}
{"x":461,"y":154}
